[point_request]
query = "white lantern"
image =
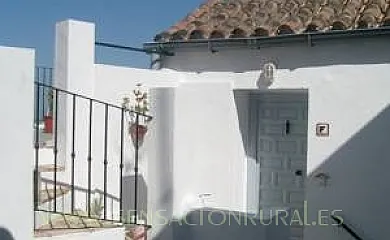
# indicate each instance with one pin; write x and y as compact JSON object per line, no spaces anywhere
{"x":268,"y":71}
{"x":267,"y":75}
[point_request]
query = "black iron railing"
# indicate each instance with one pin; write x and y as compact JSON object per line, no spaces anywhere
{"x":54,"y":112}
{"x":346,"y":227}
{"x":43,"y":75}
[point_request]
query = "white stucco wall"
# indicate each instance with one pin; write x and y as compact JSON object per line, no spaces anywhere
{"x":347,"y":84}
{"x":208,"y":150}
{"x":194,"y":147}
{"x":16,"y":165}
{"x":111,"y":84}
{"x":347,"y":87}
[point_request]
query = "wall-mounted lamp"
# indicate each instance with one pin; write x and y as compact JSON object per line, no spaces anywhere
{"x":269,"y":70}
{"x":267,"y":75}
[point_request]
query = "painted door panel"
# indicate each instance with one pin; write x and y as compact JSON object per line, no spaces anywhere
{"x":281,"y":153}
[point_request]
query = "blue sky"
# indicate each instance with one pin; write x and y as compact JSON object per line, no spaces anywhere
{"x":30,"y":23}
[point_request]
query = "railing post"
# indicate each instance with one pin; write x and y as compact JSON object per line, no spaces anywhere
{"x":73,"y":154}
{"x":136,"y":146}
{"x":121,"y":165}
{"x":347,"y":228}
{"x":55,"y":149}
{"x":36,"y":146}
{"x":89,"y":158}
{"x":105,"y":160}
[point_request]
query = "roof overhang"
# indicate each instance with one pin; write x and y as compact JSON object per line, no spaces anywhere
{"x":308,"y":39}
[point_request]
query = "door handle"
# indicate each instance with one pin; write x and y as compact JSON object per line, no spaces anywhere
{"x":287,"y":127}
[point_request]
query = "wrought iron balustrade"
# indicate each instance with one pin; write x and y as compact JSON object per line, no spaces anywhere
{"x":63,"y":107}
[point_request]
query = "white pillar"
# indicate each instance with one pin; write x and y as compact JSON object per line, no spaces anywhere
{"x":75,"y":72}
{"x":75,"y":56}
{"x":16,"y":141}
{"x":160,"y":163}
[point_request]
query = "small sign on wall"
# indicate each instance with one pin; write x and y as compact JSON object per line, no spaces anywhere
{"x":322,"y":129}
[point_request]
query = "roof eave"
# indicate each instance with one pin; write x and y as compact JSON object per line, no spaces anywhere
{"x":306,"y":38}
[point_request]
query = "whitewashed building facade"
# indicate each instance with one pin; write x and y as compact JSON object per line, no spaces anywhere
{"x":250,"y":123}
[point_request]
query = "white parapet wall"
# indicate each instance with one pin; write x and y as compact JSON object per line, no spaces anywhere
{"x":17,"y":156}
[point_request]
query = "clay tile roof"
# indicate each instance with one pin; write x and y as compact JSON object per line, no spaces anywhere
{"x":254,"y":18}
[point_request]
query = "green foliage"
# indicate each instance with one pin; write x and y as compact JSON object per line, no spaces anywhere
{"x":97,"y":207}
{"x":141,"y":100}
{"x":140,"y":104}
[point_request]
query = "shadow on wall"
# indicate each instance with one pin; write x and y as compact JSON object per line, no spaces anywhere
{"x":5,"y":234}
{"x":65,"y":206}
{"x":352,"y":52}
{"x":357,"y":184}
{"x":222,"y":224}
{"x":128,"y":197}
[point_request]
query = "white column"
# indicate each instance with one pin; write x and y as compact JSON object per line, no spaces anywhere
{"x":160,"y":162}
{"x":75,"y":72}
{"x":16,"y":141}
{"x":75,"y":56}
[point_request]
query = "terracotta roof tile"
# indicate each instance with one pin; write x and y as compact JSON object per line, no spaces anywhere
{"x":253,"y":18}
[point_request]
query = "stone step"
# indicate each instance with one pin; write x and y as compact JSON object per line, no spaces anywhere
{"x":46,"y":195}
{"x":59,"y":221}
{"x":50,"y":168}
{"x":60,"y":224}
